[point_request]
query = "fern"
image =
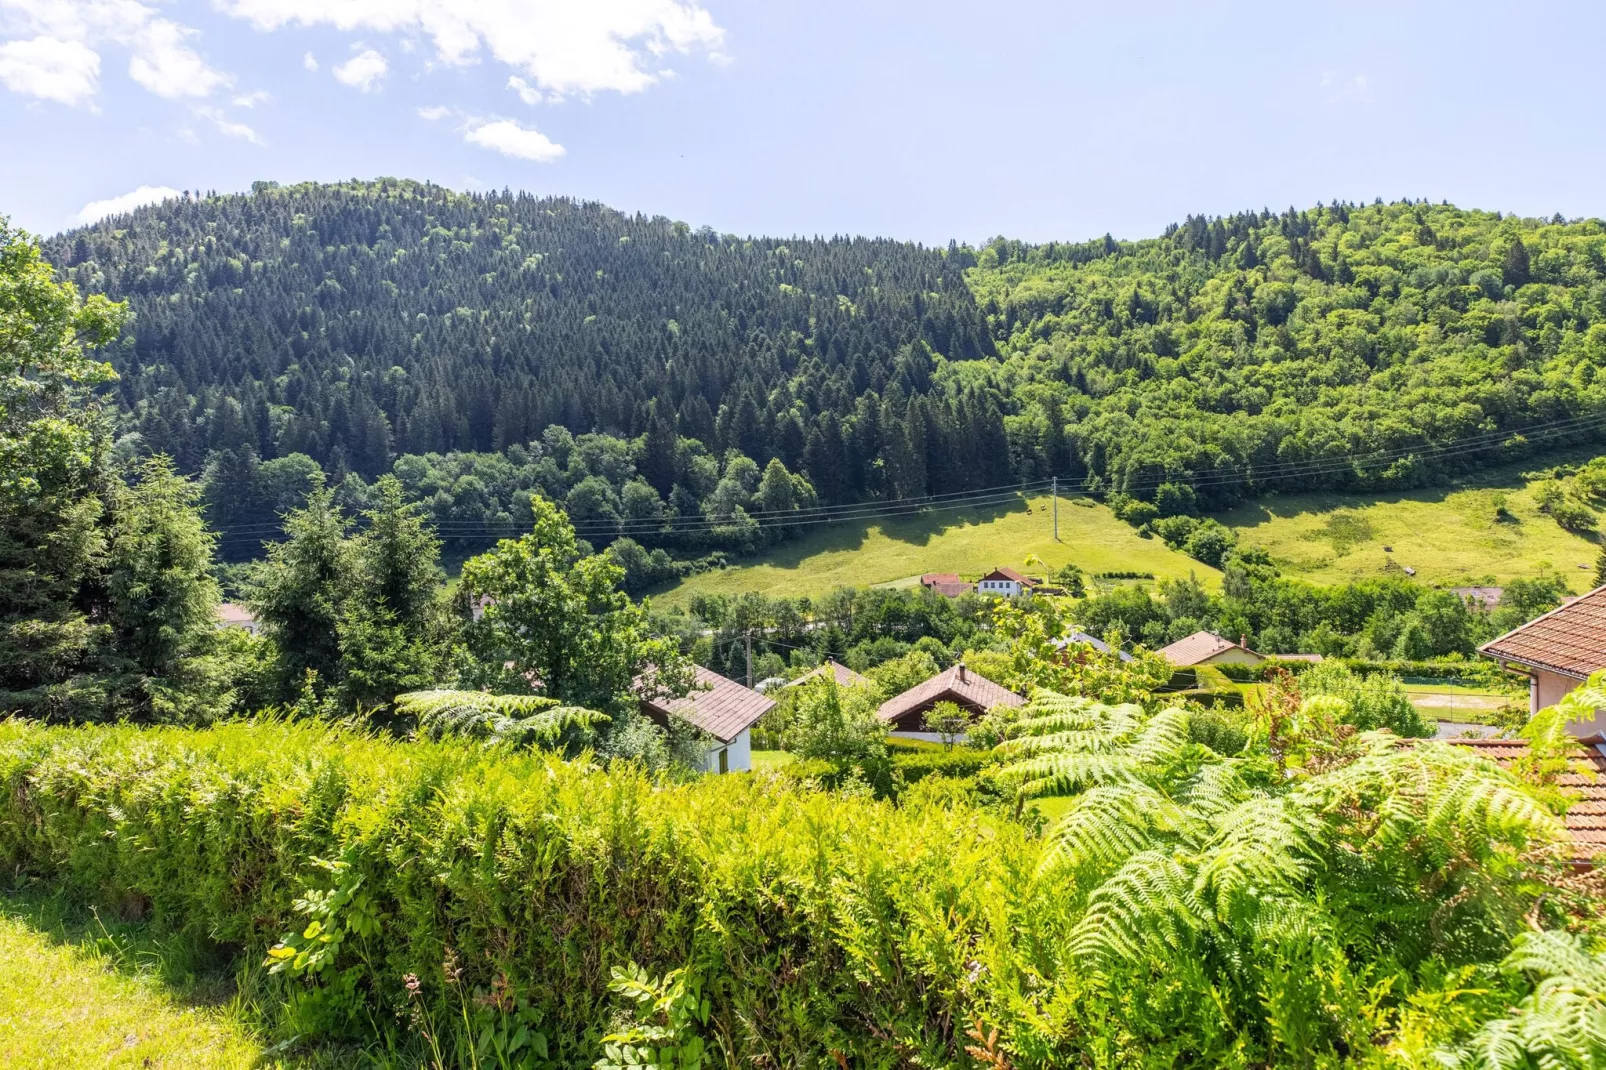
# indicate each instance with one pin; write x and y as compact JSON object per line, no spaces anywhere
{"x":531,"y":721}
{"x":1561,"y":1024}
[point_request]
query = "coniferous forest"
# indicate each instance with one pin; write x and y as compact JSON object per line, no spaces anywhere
{"x":688,"y":388}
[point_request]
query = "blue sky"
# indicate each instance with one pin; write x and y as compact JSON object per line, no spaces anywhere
{"x":926,"y":121}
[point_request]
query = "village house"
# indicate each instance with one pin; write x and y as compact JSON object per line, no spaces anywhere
{"x":724,"y":709}
{"x":1557,"y":652}
{"x":844,"y":676}
{"x":1208,"y":648}
{"x":1006,"y":582}
{"x":970,"y":691}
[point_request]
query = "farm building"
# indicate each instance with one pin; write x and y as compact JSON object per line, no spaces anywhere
{"x":1557,"y":652}
{"x":947,"y":584}
{"x":725,"y":710}
{"x":971,"y":692}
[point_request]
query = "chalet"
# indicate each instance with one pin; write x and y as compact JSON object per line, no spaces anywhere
{"x":1006,"y":582}
{"x":724,"y":709}
{"x":971,"y":692}
{"x":844,"y":676}
{"x":947,"y":584}
{"x":234,"y":615}
{"x":1557,"y":652}
{"x":1586,"y":817}
{"x":1208,"y":648}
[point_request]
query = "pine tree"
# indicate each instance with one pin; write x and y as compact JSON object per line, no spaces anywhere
{"x":1600,"y":567}
{"x":1516,"y":268}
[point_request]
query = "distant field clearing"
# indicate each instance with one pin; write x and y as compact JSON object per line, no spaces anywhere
{"x":898,"y":551}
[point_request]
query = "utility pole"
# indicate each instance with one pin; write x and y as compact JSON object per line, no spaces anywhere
{"x":1054,"y":489}
{"x":749,"y":657}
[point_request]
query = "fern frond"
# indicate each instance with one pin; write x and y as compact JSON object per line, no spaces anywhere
{"x":1107,"y":825}
{"x":1265,"y":847}
{"x":1162,"y":740}
{"x":517,"y":720}
{"x":1145,"y":910}
{"x":1561,"y":1023}
{"x":1215,"y":788}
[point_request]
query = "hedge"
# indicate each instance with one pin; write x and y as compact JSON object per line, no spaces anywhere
{"x":824,"y":930}
{"x":1479,"y":673}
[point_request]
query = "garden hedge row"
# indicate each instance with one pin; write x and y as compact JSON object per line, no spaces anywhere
{"x":824,"y":930}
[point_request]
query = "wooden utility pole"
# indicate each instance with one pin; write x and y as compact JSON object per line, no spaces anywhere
{"x":1054,"y":489}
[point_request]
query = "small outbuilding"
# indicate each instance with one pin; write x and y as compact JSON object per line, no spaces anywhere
{"x":725,"y":710}
{"x":970,"y":691}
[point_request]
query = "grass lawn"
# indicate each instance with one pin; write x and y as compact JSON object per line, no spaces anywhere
{"x":896,"y":552}
{"x":771,"y":759}
{"x":64,"y":1005}
{"x":1450,"y":536}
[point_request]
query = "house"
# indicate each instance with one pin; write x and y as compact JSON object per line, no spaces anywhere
{"x":724,"y":709}
{"x":1557,"y":652}
{"x":1586,"y":817}
{"x":1075,"y":637}
{"x":1006,"y":582}
{"x":947,"y":584}
{"x":1208,"y":648}
{"x":844,"y":676}
{"x":234,"y":615}
{"x":971,"y":692}
{"x":1484,"y":598}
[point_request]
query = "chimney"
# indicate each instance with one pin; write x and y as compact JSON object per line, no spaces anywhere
{"x":961,"y":672}
{"x":1243,"y":641}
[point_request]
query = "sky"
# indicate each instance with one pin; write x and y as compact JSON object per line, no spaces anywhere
{"x":925,"y":121}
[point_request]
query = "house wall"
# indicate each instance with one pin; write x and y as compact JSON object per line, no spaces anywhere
{"x":738,"y":755}
{"x":1547,"y":688}
{"x":1007,"y":588}
{"x":913,"y":723}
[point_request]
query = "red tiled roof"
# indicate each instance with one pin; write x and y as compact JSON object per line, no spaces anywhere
{"x":1586,"y":818}
{"x":845,"y":677}
{"x":1010,"y":574}
{"x":953,"y":590}
{"x":957,"y":683}
{"x":1570,"y":640}
{"x":931,"y":579}
{"x":1196,"y":648}
{"x":719,"y":706}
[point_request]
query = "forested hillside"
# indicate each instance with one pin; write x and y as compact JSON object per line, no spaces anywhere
{"x":1265,"y":351}
{"x":686,"y":388}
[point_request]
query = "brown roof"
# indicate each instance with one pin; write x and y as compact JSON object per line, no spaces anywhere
{"x":1586,"y":818}
{"x":1010,"y":574}
{"x":931,"y":579}
{"x":953,"y":590}
{"x":958,"y":683}
{"x":1196,"y":648}
{"x":845,"y":677}
{"x":719,"y":706}
{"x":1570,"y":640}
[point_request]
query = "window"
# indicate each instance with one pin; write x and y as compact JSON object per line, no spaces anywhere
{"x":724,"y":759}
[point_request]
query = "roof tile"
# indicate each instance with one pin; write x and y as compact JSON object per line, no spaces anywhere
{"x":1570,"y":640}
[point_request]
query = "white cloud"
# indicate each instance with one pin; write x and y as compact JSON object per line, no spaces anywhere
{"x":363,"y":71}
{"x":162,"y":54}
{"x":511,"y":139}
{"x":95,"y":210}
{"x":226,"y":126}
{"x":309,"y":61}
{"x":251,"y":100}
{"x":167,"y":66}
{"x":527,"y":92}
{"x":66,"y":72}
{"x":565,"y":46}
{"x":438,"y":111}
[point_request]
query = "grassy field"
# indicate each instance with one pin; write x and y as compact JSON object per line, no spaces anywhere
{"x":1449,"y":536}
{"x":898,"y":551}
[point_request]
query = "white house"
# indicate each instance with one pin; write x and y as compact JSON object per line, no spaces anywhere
{"x":725,"y":710}
{"x":1005,"y":582}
